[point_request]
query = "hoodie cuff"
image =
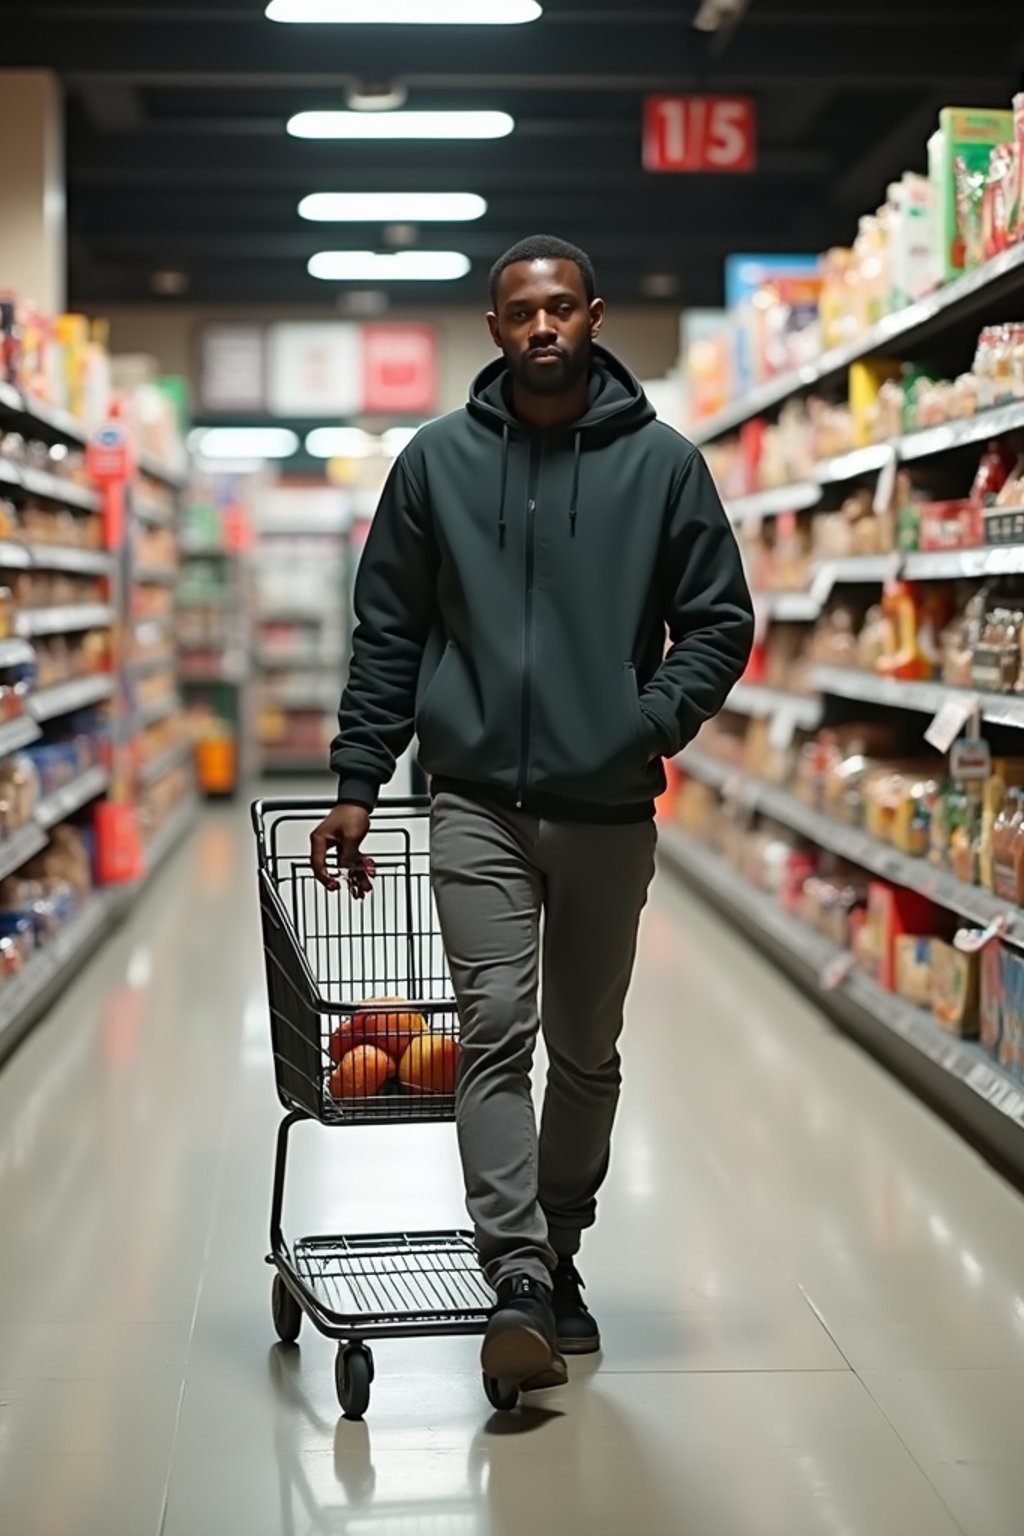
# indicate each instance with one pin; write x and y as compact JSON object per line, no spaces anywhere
{"x":663,"y":729}
{"x":358,"y":792}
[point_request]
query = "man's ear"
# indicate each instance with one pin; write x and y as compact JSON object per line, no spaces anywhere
{"x":596,"y":318}
{"x":494,"y":328}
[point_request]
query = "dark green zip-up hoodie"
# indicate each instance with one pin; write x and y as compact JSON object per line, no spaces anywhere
{"x":513,"y":600}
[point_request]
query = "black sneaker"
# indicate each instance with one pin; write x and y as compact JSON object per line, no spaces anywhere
{"x":520,"y":1340}
{"x":576,"y":1331}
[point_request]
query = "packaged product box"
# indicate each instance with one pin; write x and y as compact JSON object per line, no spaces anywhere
{"x":864,"y":386}
{"x":990,"y":999}
{"x":1011,"y":1040}
{"x":914,"y":271}
{"x":958,"y":165}
{"x":892,"y":913}
{"x":914,"y":969}
{"x":954,"y":990}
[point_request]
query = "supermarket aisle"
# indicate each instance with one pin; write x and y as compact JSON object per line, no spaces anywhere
{"x":812,"y":1293}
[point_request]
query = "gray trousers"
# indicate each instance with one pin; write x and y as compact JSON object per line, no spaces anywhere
{"x":495,"y":874}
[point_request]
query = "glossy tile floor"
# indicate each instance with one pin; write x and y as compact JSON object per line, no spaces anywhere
{"x":812,"y":1292}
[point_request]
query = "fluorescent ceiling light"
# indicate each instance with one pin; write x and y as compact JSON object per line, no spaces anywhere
{"x":392,"y":207}
{"x":388,"y":267}
{"x":400,"y":125}
{"x":407,"y":13}
{"x":341,"y":443}
{"x":243,"y":442}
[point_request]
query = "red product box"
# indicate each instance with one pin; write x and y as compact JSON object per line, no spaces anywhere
{"x":950,"y":525}
{"x":893,"y":913}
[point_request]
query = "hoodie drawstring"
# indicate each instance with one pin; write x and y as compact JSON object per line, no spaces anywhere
{"x":504,"y":485}
{"x":574,"y":502}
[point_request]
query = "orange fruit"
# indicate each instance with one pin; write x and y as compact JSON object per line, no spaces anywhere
{"x":389,"y":1029}
{"x":430,"y":1065}
{"x":361,"y":1073}
{"x":344,"y":1038}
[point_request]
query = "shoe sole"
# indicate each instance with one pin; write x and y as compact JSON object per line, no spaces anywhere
{"x":556,"y":1376}
{"x":580,"y":1346}
{"x":516,"y":1353}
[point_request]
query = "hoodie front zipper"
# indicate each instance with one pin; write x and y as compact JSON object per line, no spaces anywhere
{"x":536,"y":454}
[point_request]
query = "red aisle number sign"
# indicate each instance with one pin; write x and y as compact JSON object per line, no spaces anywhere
{"x":699,"y":133}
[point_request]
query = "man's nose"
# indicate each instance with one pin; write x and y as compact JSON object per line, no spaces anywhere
{"x":542,"y":328}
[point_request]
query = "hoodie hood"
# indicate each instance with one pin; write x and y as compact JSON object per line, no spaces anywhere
{"x":616,"y":402}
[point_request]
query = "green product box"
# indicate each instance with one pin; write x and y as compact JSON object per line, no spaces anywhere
{"x":968,"y":135}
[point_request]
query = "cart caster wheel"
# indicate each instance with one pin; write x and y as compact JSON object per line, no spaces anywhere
{"x":353,"y":1373}
{"x":502,"y":1395}
{"x":287,"y":1312}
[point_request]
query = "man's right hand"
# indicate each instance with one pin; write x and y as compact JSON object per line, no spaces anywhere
{"x":344,"y":829}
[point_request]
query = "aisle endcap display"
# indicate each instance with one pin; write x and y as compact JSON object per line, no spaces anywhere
{"x":811,"y":954}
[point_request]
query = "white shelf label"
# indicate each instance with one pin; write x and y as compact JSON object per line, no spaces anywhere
{"x":950,"y":721}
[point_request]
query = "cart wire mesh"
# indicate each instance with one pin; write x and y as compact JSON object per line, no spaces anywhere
{"x":334,"y":961}
{"x":429,"y":1281}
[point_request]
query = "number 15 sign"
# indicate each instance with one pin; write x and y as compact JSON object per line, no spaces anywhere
{"x":699,"y":133}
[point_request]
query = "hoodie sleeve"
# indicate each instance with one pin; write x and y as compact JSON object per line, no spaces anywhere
{"x":395,"y":596}
{"x":709,"y":613}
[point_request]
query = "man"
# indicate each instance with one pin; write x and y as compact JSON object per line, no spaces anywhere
{"x":528,"y":555}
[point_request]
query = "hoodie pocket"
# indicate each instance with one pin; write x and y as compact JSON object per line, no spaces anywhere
{"x":639,"y":722}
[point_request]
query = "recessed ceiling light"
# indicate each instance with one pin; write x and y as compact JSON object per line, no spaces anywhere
{"x":660,"y":285}
{"x":366,"y":97}
{"x":400,"y":125}
{"x":389,"y":267}
{"x":407,"y":13}
{"x":243,"y":442}
{"x":341,"y":443}
{"x":392,"y":207}
{"x":168,"y":284}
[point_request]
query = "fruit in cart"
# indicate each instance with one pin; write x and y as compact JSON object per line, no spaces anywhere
{"x":361,"y":1073}
{"x":345,"y":1038}
{"x":430,"y":1065}
{"x":389,"y":1029}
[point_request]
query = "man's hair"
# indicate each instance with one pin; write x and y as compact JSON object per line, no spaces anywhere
{"x":544,"y":248}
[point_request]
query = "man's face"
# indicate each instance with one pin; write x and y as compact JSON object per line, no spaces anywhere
{"x":544,"y":324}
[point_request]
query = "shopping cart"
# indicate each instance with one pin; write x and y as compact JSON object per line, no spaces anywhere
{"x":327,"y":955}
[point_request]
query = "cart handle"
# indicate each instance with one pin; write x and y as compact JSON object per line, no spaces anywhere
{"x":274,"y":805}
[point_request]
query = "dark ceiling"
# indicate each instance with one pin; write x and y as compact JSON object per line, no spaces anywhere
{"x":178,"y":159}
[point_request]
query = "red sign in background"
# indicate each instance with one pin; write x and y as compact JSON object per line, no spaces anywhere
{"x":700,"y":134}
{"x":399,"y":369}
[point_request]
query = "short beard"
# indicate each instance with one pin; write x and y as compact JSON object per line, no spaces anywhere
{"x":551,"y":381}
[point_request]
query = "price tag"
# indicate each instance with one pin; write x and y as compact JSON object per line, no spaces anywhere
{"x":950,"y":721}
{"x":780,"y":731}
{"x":821,"y":586}
{"x":894,"y":567}
{"x":886,"y":484}
{"x":970,"y":941}
{"x":835,"y":972}
{"x":970,"y":758}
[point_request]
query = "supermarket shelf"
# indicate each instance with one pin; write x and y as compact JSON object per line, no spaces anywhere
{"x":301,"y":706}
{"x":925,"y":698}
{"x":788,"y":607}
{"x":66,"y":801}
{"x":36,"y":415}
{"x":159,"y":766}
{"x":869,"y":569}
{"x":15,"y":653}
{"x":969,"y":901}
{"x":159,"y":709}
{"x":13,"y":557}
{"x":958,"y":1074}
{"x":26,"y":996}
{"x":24,"y":845}
{"x":283,"y":760}
{"x":65,"y":620}
{"x":64,"y":698}
{"x":38,"y":482}
{"x":152,"y":512}
{"x":771,"y":503}
{"x":858,"y":461}
{"x":950,"y":304}
{"x":177,"y":825}
{"x":156,"y":575}
{"x":760,"y":702}
{"x":147,"y":665}
{"x":157,"y":470}
{"x":962,"y":433}
{"x":298,"y":663}
{"x":15,"y":734}
{"x":57,"y":557}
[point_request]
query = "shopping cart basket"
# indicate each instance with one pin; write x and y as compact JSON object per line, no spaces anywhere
{"x":341,"y":1058}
